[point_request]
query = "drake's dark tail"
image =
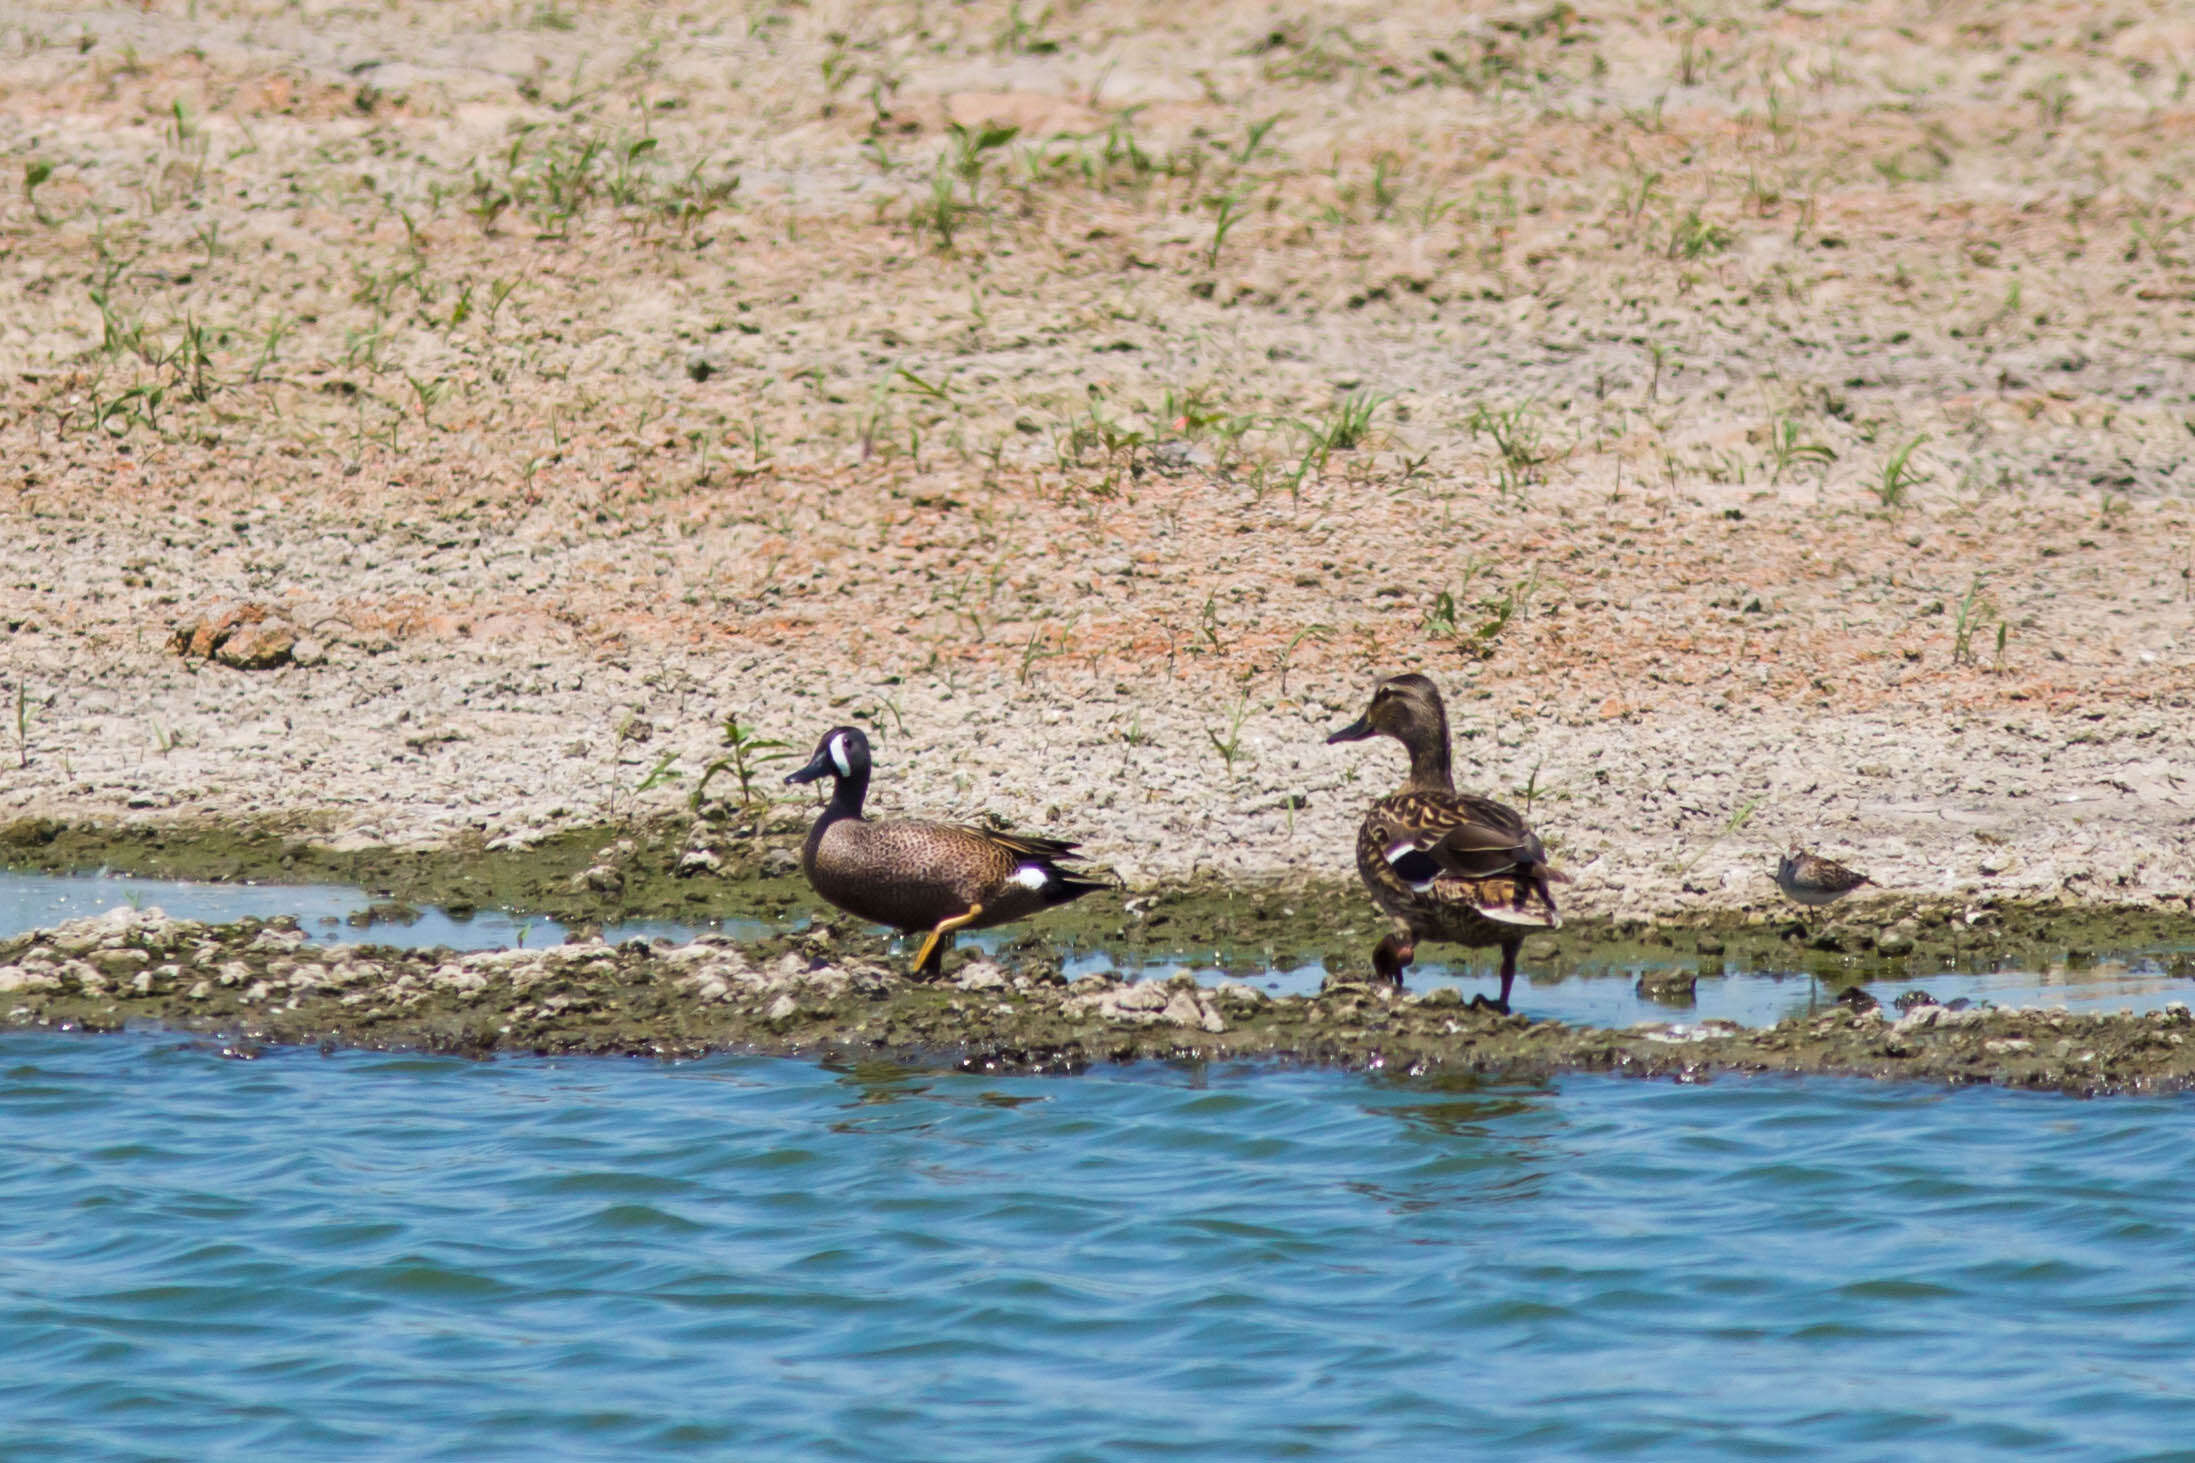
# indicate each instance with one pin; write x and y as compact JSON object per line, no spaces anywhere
{"x":1066,"y":885}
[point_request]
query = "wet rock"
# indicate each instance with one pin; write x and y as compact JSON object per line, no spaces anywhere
{"x":1899,"y":939}
{"x":981,"y":975}
{"x":600,"y":879}
{"x":699,"y":861}
{"x":1841,"y":937}
{"x":1857,"y":998}
{"x":1182,"y":1009}
{"x":119,"y":963}
{"x":1138,"y":1004}
{"x":1914,"y":998}
{"x":1240,"y":995}
{"x":1919,"y":1018}
{"x":1668,"y":987}
{"x":25,"y":978}
{"x":1144,"y":995}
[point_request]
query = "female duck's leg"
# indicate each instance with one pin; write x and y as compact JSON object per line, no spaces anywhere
{"x":1508,"y":972}
{"x":932,"y":956}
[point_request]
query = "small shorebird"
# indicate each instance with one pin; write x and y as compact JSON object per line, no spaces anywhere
{"x":917,"y":876}
{"x":1444,"y":865}
{"x":1814,"y":881}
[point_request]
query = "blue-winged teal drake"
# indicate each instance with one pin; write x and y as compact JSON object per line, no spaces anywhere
{"x":1814,"y":881}
{"x":1444,"y":865}
{"x":930,"y":877}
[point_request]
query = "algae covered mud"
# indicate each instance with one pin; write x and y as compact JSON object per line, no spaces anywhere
{"x":680,"y":870}
{"x":820,"y":993}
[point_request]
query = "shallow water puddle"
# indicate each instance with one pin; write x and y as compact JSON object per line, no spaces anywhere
{"x":1611,"y":996}
{"x":325,"y":911}
{"x":1606,"y":996}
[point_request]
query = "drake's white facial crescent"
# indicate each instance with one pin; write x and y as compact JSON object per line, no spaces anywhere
{"x":839,"y":758}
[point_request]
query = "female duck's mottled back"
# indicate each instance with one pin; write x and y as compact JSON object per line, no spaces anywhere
{"x":1444,"y":865}
{"x":931,"y":877}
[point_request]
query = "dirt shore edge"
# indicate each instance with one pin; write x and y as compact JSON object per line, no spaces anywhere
{"x":253,"y":983}
{"x":694,"y":872}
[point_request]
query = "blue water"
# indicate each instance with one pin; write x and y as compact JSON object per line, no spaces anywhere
{"x":360,"y":1255}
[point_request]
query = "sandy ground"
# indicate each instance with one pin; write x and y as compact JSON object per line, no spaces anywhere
{"x":1766,"y":425}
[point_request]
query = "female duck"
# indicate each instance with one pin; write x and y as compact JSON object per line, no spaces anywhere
{"x":932,"y":877}
{"x":1443,"y":864}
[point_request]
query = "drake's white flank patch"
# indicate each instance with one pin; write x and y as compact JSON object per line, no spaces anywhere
{"x":838,"y":755}
{"x":1029,"y":876}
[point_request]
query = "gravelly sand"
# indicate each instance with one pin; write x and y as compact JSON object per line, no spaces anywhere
{"x":1048,"y":510}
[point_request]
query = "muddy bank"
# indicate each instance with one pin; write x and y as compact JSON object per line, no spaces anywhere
{"x":816,"y":993}
{"x":701,"y":869}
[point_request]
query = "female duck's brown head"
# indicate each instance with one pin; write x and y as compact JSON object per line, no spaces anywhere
{"x":1408,"y":708}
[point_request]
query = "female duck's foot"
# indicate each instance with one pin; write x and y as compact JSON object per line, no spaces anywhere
{"x":1391,"y":956}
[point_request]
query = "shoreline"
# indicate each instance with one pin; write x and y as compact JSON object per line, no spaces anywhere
{"x":693,"y":870}
{"x":1787,"y":465}
{"x":818,"y":995}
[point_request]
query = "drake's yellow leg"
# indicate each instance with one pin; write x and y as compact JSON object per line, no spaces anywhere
{"x":932,"y":955}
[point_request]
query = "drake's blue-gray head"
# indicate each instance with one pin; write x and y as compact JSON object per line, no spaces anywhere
{"x":843,"y":753}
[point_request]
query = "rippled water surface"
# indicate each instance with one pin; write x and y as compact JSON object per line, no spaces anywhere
{"x":308,"y":1256}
